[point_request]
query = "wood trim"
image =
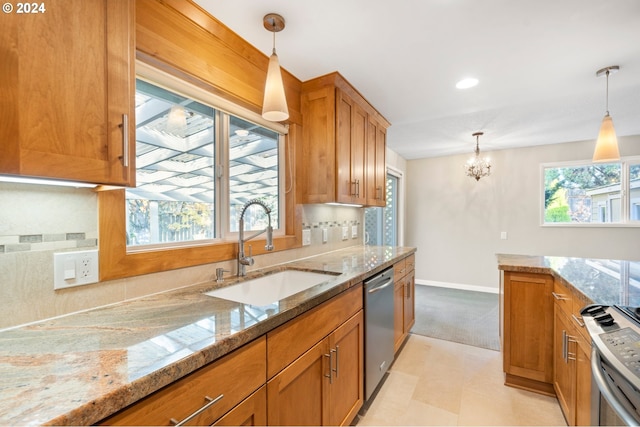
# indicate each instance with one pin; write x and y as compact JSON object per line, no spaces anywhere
{"x":530,"y":385}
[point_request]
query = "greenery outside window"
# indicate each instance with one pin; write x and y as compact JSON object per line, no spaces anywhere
{"x":591,"y":193}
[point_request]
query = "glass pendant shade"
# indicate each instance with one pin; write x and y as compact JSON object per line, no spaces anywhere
{"x":607,"y":143}
{"x":274,"y":106}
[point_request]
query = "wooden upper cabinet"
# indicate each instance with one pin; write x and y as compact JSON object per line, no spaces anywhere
{"x":335,"y":163}
{"x":376,"y":168}
{"x":66,"y":86}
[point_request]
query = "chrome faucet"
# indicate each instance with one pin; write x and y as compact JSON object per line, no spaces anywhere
{"x":243,"y":260}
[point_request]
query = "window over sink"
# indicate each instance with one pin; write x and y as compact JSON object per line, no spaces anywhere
{"x":197,"y":166}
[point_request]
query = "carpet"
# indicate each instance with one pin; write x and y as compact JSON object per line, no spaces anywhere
{"x":466,"y":317}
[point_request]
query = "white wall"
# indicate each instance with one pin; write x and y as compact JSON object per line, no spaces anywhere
{"x":455,"y":222}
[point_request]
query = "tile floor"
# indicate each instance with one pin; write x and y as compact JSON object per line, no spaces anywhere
{"x":436,"y":382}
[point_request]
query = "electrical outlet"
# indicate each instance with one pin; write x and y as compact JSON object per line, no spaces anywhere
{"x":75,"y":268}
{"x":345,"y":232}
{"x":354,"y":231}
{"x":325,"y":235}
{"x":306,"y":237}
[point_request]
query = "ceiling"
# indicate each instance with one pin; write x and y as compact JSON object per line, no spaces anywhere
{"x":536,"y":61}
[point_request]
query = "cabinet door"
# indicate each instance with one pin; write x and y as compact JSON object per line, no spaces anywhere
{"x":298,"y":395}
{"x":350,"y":149}
{"x":409,"y":301}
{"x":376,"y":170}
{"x":398,"y":313}
{"x":347,"y":382}
{"x":66,"y":84}
{"x":251,"y":412}
{"x":528,"y":331}
{"x":564,"y":368}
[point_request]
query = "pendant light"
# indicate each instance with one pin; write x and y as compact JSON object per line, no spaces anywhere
{"x":607,"y":143}
{"x":478,"y":167}
{"x":274,"y":106}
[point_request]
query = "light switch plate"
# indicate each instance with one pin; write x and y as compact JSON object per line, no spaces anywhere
{"x":503,"y":235}
{"x":325,"y":235}
{"x":306,"y":237}
{"x":345,"y":232}
{"x":354,"y":231}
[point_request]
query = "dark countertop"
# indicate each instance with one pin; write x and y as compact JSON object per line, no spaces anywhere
{"x":601,"y":281}
{"x":81,"y":368}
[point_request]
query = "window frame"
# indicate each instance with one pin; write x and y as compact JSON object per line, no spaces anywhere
{"x":118,"y":261}
{"x":625,"y":195}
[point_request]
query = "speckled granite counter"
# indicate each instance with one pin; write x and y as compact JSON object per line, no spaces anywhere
{"x":602,"y":281}
{"x":80,"y":368}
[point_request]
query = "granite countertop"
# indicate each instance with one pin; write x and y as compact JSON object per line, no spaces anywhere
{"x":81,"y":368}
{"x":599,"y":281}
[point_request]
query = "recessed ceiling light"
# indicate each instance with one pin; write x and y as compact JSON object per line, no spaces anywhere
{"x":467,"y":83}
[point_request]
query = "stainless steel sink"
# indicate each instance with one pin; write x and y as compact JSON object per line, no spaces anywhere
{"x":271,"y":288}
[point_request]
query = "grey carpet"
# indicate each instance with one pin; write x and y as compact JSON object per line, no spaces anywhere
{"x":466,"y":317}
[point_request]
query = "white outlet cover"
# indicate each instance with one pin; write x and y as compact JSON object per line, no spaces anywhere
{"x":325,"y":235}
{"x":306,"y":237}
{"x":75,"y":268}
{"x":345,"y":232}
{"x":354,"y":231}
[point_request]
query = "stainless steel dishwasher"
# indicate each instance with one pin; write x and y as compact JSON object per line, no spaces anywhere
{"x":378,"y":329}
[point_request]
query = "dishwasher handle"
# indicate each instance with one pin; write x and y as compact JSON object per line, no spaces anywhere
{"x":380,"y":287}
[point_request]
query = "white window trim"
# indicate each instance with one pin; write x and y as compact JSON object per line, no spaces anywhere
{"x":626,"y":162}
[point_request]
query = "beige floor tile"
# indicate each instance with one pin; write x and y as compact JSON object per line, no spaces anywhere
{"x":436,"y":382}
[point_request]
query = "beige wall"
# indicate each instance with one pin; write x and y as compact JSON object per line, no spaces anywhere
{"x":455,"y":222}
{"x":36,"y":221}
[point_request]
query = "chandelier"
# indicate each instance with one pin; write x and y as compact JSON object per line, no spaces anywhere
{"x":478,"y":167}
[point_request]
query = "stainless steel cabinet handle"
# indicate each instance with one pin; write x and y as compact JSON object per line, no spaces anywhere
{"x":578,"y":320}
{"x":198,"y":412}
{"x":570,"y":356}
{"x":336,"y":351}
{"x":564,"y":346}
{"x":125,"y":140}
{"x":330,"y":375}
{"x":559,"y":297}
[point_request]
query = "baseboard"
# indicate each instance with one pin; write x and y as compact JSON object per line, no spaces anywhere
{"x":457,"y":286}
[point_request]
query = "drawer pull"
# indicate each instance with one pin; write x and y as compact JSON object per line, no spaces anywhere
{"x":198,"y":412}
{"x":578,"y":320}
{"x":559,"y":297}
{"x":330,"y":375}
{"x":337,"y":352}
{"x":125,"y":140}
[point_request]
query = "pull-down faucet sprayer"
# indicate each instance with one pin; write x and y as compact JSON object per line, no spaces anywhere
{"x":243,"y":260}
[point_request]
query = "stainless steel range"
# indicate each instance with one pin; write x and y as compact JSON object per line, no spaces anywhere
{"x":615,"y":363}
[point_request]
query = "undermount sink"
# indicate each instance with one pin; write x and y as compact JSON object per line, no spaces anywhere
{"x":271,"y":288}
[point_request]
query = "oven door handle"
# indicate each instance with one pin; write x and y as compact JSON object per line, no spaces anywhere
{"x":604,"y":388}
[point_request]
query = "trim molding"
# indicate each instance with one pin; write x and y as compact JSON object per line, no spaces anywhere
{"x":457,"y":286}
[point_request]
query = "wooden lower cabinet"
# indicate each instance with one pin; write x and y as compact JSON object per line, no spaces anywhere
{"x":250,"y":412}
{"x":324,"y":386}
{"x":404,"y":300}
{"x":572,"y":366}
{"x":528,"y":331}
{"x":564,"y":361}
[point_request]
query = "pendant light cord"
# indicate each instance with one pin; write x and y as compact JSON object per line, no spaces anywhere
{"x":607,"y":101}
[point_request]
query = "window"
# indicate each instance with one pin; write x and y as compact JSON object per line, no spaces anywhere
{"x":381,"y":224}
{"x":186,"y":190}
{"x":578,"y":193}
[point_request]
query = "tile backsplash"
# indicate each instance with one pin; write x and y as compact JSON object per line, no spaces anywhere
{"x":37,"y":221}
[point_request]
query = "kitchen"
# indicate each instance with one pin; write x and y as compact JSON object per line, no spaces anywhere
{"x":481,"y":209}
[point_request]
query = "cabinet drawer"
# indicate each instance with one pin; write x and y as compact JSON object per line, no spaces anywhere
{"x":289,"y":341}
{"x":578,"y":303}
{"x":399,"y":270}
{"x":563,"y":297}
{"x":410,"y":263}
{"x":234,"y":377}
